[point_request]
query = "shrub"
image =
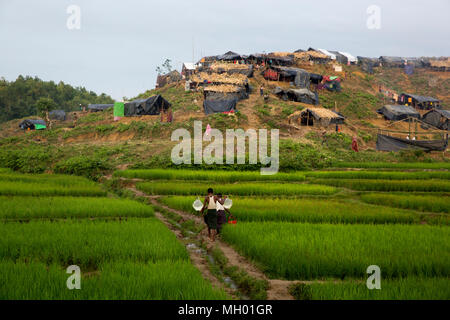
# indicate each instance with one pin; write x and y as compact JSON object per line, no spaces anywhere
{"x":88,"y":167}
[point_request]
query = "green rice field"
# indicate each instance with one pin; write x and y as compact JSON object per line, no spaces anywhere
{"x":326,"y":227}
{"x":245,"y":189}
{"x":411,"y":288}
{"x":415,"y":202}
{"x":392,"y":165}
{"x":308,"y":210}
{"x":388,"y":185}
{"x":22,"y":207}
{"x":218,"y":176}
{"x":129,"y":255}
{"x":313,"y":251}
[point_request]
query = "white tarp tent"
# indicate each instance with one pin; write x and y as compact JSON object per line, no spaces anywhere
{"x":189,"y":65}
{"x":328,"y":53}
{"x":350,"y":58}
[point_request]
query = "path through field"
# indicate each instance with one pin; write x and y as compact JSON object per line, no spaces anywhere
{"x":278,"y":289}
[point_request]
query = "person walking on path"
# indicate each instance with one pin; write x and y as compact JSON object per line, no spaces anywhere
{"x":210,"y":218}
{"x":221,"y":216}
{"x":261,"y":91}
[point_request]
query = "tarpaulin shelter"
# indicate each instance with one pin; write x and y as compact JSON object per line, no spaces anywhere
{"x":300,"y":77}
{"x":99,"y":107}
{"x":312,"y":55}
{"x":271,"y":59}
{"x":320,"y":117}
{"x":230,"y":68}
{"x":219,"y":105}
{"x":187,"y":69}
{"x":299,"y":95}
{"x":420,"y":102}
{"x":350,"y":58}
{"x":119,"y":110}
{"x":315,"y":78}
{"x":396,"y":113}
{"x":33,"y":124}
{"x":227,"y":92}
{"x":392,"y":62}
{"x":332,"y":83}
{"x":229,"y":56}
{"x":340,"y":57}
{"x":332,"y":56}
{"x":367,"y":64}
{"x":437,"y":118}
{"x":149,"y":106}
{"x":389,"y":143}
{"x":57,"y":115}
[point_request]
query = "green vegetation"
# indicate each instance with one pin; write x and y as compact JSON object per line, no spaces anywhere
{"x":388,"y":185}
{"x":83,"y":166}
{"x":210,"y":175}
{"x":19,"y":98}
{"x":411,"y":288}
{"x":310,"y":251}
{"x":415,"y":202}
{"x":394,"y":165}
{"x":89,"y":243}
{"x":312,"y":210}
{"x":392,"y":175}
{"x":249,"y":189}
{"x":18,"y":188}
{"x":71,"y":207}
{"x":162,"y":280}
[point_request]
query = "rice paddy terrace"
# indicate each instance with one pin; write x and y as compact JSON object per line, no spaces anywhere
{"x":302,"y":235}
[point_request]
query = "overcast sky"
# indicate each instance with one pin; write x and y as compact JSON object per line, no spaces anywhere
{"x":119,"y":44}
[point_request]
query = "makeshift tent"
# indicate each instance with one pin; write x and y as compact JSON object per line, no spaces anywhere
{"x":313,"y":56}
{"x":171,"y":77}
{"x":389,"y":143}
{"x":397,"y":113}
{"x":300,"y":77}
{"x":187,"y":69}
{"x":340,"y":57}
{"x":227,"y":92}
{"x":367,"y":64}
{"x":57,"y":115}
{"x":229,"y":56}
{"x":99,"y":107}
{"x":392,"y":62}
{"x":219,"y":105}
{"x":32,"y":124}
{"x":327,"y":53}
{"x":332,"y":83}
{"x":299,"y":95}
{"x":320,"y":116}
{"x":119,"y":110}
{"x":230,"y":68}
{"x":350,"y":58}
{"x":420,"y":102}
{"x":149,"y":106}
{"x":437,"y":118}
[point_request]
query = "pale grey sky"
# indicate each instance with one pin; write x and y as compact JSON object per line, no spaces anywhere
{"x":120,"y":43}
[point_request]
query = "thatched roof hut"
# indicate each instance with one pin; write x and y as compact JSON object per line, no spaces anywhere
{"x":319,"y":117}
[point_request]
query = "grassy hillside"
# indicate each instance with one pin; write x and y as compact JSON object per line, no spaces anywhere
{"x":92,"y":144}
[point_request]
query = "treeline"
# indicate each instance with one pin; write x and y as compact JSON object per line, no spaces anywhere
{"x":18,"y":98}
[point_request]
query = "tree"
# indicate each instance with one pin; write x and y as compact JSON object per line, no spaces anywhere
{"x":166,"y":67}
{"x":44,"y":106}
